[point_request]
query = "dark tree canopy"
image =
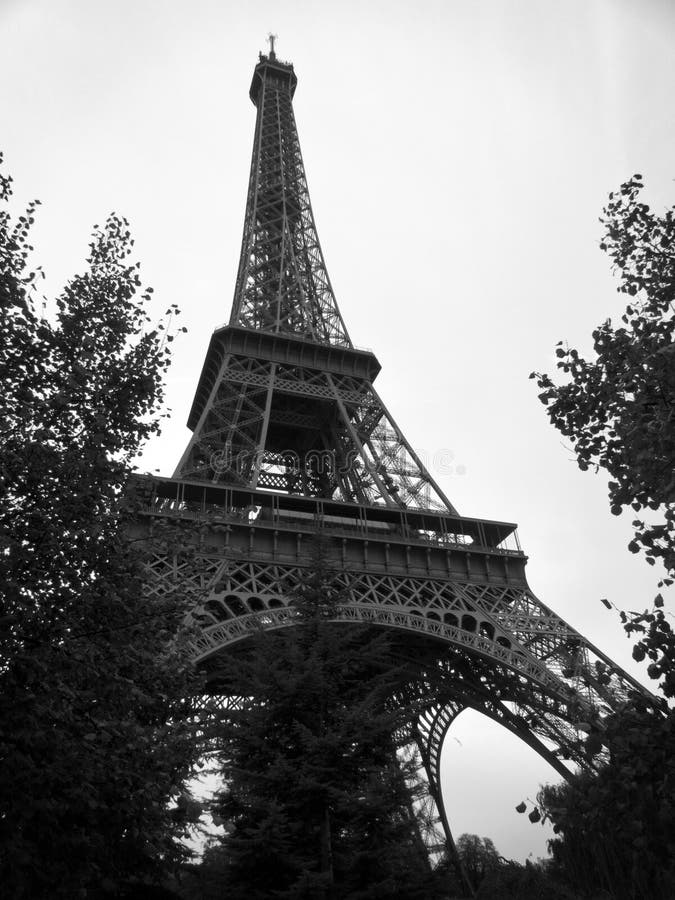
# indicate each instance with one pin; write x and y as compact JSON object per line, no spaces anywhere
{"x":478,"y":856}
{"x":95,"y":734}
{"x":616,"y":827}
{"x":318,"y":799}
{"x":616,"y":824}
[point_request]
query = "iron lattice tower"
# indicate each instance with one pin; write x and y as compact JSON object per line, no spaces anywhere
{"x":290,"y":438}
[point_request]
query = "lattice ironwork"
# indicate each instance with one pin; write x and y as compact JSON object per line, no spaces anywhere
{"x":282,"y":283}
{"x":238,"y":596}
{"x":309,"y":432}
{"x":489,"y":647}
{"x":290,"y":438}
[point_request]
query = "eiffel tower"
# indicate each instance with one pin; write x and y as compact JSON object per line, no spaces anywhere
{"x":290,"y":439}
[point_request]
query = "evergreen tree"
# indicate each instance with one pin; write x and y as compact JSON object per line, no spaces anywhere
{"x":318,"y":799}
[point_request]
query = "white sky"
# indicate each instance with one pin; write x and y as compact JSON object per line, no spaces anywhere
{"x":458,"y":156}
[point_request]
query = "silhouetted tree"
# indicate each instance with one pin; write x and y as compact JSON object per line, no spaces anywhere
{"x":618,"y":409}
{"x":95,"y":734}
{"x":512,"y":881}
{"x":318,"y":802}
{"x":616,"y":828}
{"x":478,"y":857}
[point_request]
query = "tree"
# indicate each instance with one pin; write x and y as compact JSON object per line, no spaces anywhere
{"x":512,"y":881}
{"x":478,"y":857}
{"x":618,"y":409}
{"x":96,"y":735}
{"x":495,"y":878}
{"x":615,"y":826}
{"x":318,"y":799}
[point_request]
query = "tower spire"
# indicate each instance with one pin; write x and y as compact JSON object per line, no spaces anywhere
{"x":282,"y":283}
{"x":272,"y":38}
{"x":284,"y":401}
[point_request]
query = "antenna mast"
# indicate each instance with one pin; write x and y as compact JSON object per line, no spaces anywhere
{"x":272,"y":38}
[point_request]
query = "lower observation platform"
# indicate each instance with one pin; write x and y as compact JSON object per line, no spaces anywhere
{"x":377,"y":538}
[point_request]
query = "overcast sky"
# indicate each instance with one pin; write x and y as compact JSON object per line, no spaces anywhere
{"x":458,"y":156}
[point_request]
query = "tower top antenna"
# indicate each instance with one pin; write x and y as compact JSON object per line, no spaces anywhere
{"x":272,"y":38}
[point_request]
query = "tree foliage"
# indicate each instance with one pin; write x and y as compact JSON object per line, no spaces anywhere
{"x":513,"y":881}
{"x":615,"y":826}
{"x":478,"y":856}
{"x":493,"y":877}
{"x":95,"y":733}
{"x":618,"y":409}
{"x":318,"y":799}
